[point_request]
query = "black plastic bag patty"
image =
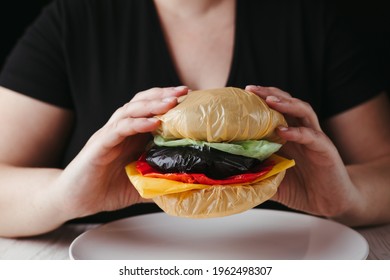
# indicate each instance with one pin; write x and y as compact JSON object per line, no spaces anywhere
{"x":213,"y":163}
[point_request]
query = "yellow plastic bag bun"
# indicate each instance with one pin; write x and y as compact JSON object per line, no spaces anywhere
{"x":205,"y":201}
{"x":219,"y":201}
{"x":221,"y":115}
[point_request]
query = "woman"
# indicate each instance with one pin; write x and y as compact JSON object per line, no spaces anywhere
{"x":65,"y":143}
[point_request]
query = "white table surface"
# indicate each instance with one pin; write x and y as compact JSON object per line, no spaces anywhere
{"x":55,"y":245}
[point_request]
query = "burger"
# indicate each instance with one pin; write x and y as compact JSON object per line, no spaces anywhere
{"x":213,"y":155}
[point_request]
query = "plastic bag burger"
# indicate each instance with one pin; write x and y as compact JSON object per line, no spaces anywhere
{"x":213,"y":155}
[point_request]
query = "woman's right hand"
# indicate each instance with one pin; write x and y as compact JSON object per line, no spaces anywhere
{"x":95,"y":180}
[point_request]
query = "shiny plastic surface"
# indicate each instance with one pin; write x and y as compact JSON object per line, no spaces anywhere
{"x":219,"y":201}
{"x":205,"y":201}
{"x":221,"y":115}
{"x":214,"y":163}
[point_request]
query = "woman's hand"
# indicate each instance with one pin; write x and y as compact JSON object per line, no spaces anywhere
{"x":319,"y":183}
{"x":96,"y":180}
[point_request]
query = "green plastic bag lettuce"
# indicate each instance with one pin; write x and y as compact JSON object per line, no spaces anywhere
{"x":259,"y":149}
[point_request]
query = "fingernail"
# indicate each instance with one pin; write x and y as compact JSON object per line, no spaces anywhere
{"x":153,"y":120}
{"x":169,"y":99}
{"x":273,"y":98}
{"x":253,"y":86}
{"x":180,"y":88}
{"x":283,"y":128}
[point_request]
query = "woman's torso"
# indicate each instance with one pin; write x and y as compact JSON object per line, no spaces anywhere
{"x":113,"y":49}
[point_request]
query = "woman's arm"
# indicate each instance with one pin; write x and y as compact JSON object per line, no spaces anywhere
{"x":362,"y":136}
{"x":35,"y":198}
{"x":32,"y":138}
{"x":348,"y":179}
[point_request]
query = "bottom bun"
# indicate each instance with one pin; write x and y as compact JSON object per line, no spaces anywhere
{"x":219,"y":201}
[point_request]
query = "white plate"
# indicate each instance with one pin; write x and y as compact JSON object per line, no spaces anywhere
{"x":254,"y":234}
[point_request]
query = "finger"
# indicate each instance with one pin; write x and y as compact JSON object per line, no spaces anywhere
{"x":150,"y":102}
{"x":116,"y":132}
{"x":263,"y":92}
{"x":296,"y":108}
{"x":148,"y":108}
{"x":160,"y":93}
{"x":131,"y":126}
{"x":144,"y":108}
{"x":314,"y":140}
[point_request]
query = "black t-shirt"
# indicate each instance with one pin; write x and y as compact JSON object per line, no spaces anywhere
{"x":14,"y":20}
{"x":92,"y":56}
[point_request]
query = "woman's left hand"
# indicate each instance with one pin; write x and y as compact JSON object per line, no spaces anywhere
{"x":319,"y":183}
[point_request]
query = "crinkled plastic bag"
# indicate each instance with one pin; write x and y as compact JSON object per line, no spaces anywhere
{"x":259,"y":149}
{"x":202,"y":201}
{"x":201,"y":116}
{"x":214,"y":163}
{"x":219,"y":201}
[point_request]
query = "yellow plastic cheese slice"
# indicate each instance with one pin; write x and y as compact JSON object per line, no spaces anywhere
{"x":152,"y":187}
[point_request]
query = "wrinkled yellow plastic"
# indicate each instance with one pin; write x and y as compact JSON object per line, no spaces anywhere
{"x":201,"y":201}
{"x":149,"y":187}
{"x":221,"y":115}
{"x":219,"y":201}
{"x":217,"y":115}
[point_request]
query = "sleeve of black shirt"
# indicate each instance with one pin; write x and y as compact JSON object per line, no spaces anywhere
{"x":353,"y":73}
{"x":36,"y":67}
